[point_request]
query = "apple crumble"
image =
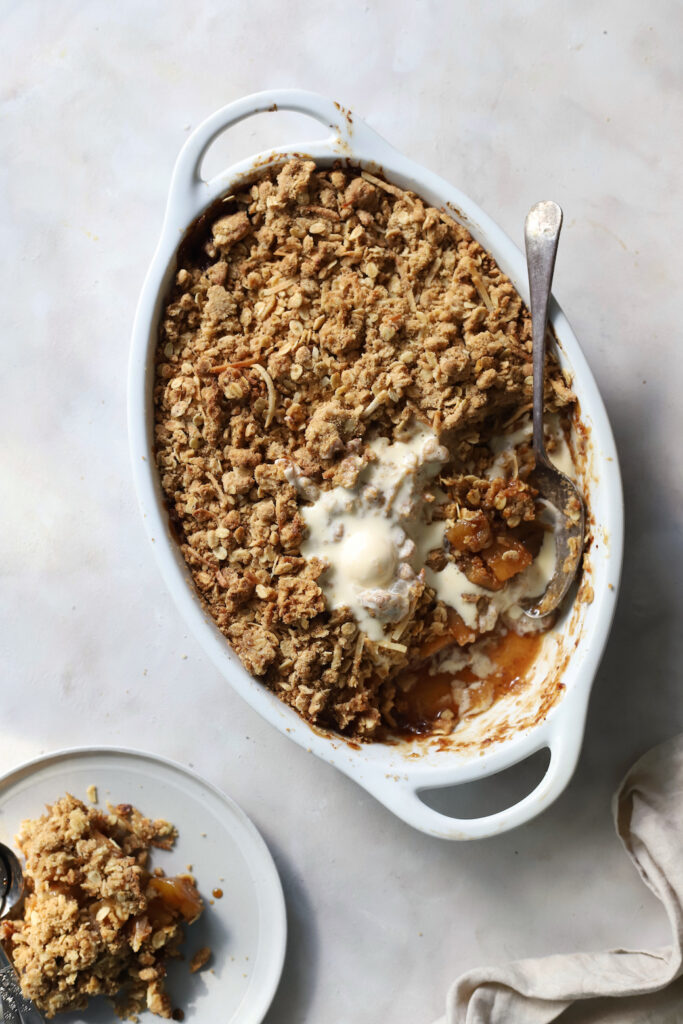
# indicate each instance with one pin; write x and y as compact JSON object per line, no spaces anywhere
{"x":342,"y":393}
{"x":97,"y":920}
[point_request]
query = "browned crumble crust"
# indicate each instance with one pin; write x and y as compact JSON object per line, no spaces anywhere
{"x":95,"y":921}
{"x":311,"y":311}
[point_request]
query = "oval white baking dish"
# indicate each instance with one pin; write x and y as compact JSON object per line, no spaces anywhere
{"x":551,"y":710}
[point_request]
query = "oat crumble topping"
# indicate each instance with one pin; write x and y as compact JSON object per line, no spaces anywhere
{"x":95,"y":921}
{"x":314,"y":310}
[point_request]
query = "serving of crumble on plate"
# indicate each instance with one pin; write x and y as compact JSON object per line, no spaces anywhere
{"x":98,"y":917}
{"x":90,"y":890}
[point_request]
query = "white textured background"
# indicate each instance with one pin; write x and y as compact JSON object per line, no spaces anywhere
{"x":580,"y":102}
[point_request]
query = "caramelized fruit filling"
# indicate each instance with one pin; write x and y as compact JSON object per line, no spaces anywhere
{"x":429,"y":697}
{"x":178,"y":895}
{"x":489,"y":556}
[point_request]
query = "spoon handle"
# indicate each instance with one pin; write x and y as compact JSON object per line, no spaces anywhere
{"x":541,"y":235}
{"x":14,"y":1009}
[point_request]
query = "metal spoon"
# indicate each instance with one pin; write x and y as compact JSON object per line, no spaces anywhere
{"x":11,"y":882}
{"x":541,"y":235}
{"x":14,"y":1008}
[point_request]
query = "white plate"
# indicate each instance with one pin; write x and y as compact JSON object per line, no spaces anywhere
{"x":246,"y":929}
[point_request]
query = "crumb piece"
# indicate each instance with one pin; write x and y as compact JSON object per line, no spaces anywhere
{"x":91,"y":793}
{"x":200,"y":959}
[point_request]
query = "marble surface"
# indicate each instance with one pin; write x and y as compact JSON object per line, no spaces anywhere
{"x":512,"y":103}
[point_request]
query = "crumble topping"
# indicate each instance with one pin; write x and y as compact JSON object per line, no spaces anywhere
{"x":313,"y":313}
{"x":95,"y":921}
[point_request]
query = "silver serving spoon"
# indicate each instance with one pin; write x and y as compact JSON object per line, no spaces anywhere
{"x":541,"y":235}
{"x":14,"y":1009}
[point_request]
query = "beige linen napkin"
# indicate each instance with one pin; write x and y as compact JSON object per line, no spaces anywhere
{"x":648,"y":811}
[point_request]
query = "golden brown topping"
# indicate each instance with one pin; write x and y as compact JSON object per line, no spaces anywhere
{"x":311,"y":312}
{"x":226,"y":232}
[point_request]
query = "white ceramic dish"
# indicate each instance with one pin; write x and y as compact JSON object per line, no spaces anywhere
{"x":517,"y":726}
{"x":246,"y":929}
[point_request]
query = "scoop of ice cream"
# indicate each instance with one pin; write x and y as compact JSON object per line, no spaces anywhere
{"x":369,"y":555}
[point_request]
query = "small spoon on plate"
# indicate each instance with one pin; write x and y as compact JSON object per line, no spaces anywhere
{"x":14,"y":1008}
{"x":559,"y":493}
{"x":11,"y":882}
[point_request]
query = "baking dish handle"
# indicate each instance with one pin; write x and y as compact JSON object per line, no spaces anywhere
{"x":564,"y":745}
{"x":349,"y":134}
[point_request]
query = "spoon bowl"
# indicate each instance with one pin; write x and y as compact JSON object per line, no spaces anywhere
{"x":11,"y":882}
{"x":566,"y":506}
